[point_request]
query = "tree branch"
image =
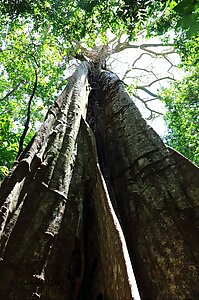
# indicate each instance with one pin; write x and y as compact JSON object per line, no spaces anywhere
{"x":26,"y":125}
{"x":12,"y":91}
{"x":126,"y":45}
{"x":154,"y":81}
{"x":157,"y":53}
{"x":140,"y":56}
{"x":152,"y":111}
{"x":138,"y":69}
{"x":146,"y":91}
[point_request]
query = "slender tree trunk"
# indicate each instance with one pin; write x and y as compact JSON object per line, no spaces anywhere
{"x":78,"y":196}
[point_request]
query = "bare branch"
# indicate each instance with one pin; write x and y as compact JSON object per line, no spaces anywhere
{"x":142,"y":69}
{"x":156,"y":80}
{"x":126,"y":45}
{"x":146,"y":90}
{"x":157,"y":53}
{"x":113,"y":40}
{"x":152,"y":111}
{"x":138,"y":69}
{"x":170,"y":62}
{"x":156,"y":45}
{"x":140,"y":56}
{"x":151,"y":99}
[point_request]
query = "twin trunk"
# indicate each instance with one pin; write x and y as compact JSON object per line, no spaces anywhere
{"x":94,"y":181}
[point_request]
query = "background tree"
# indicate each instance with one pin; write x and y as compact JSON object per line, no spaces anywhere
{"x":182,"y":116}
{"x":182,"y":98}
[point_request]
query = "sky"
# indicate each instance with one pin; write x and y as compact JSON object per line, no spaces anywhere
{"x":159,"y":66}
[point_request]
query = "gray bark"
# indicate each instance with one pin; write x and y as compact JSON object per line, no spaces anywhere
{"x":155,"y":191}
{"x":78,"y":198}
{"x":45,"y":202}
{"x":35,"y":194}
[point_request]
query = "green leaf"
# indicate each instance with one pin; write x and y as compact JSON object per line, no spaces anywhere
{"x":185,"y":7}
{"x":190,"y":23}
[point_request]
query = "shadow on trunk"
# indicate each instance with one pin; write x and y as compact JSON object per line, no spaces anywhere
{"x":84,"y":192}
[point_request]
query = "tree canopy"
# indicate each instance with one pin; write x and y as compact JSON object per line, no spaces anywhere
{"x":77,"y":19}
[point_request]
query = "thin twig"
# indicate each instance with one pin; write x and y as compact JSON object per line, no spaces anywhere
{"x":156,"y":80}
{"x":152,"y":111}
{"x":12,"y":91}
{"x":26,"y":125}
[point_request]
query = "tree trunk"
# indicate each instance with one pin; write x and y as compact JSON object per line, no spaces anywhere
{"x":75,"y":191}
{"x":155,"y":192}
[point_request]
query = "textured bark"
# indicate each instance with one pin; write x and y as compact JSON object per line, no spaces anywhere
{"x":35,"y":200}
{"x":47,"y":246}
{"x":75,"y":202}
{"x":155,"y":192}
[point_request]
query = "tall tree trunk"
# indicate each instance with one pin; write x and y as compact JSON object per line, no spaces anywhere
{"x":155,"y":192}
{"x":49,"y":201}
{"x":66,"y":204}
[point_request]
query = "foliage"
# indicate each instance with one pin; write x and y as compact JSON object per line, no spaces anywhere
{"x":188,"y":50}
{"x":24,"y":52}
{"x":182,"y":116}
{"x":188,"y":10}
{"x":181,"y":99}
{"x":3,"y":172}
{"x":179,"y":15}
{"x":80,"y":18}
{"x":40,"y":37}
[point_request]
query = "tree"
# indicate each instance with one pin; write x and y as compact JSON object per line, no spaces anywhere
{"x":181,"y":101}
{"x":181,"y":98}
{"x":42,"y":38}
{"x":39,"y":74}
{"x":95,"y":181}
{"x":72,"y":235}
